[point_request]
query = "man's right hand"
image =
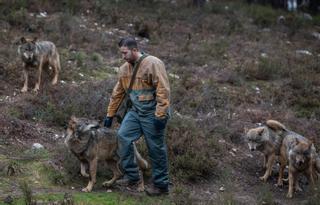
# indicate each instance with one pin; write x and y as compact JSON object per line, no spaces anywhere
{"x":107,"y":122}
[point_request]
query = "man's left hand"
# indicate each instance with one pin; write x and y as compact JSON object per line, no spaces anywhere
{"x":160,"y":123}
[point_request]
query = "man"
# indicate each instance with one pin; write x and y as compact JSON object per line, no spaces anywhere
{"x":150,"y":94}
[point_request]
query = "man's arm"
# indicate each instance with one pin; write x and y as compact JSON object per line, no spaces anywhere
{"x":162,"y":90}
{"x":115,"y":99}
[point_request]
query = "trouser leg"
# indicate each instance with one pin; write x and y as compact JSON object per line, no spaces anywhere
{"x":129,"y":132}
{"x":157,"y":151}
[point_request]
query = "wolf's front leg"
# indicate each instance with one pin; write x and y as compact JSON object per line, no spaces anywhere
{"x":25,"y":85}
{"x":270,"y":162}
{"x":310,"y":175}
{"x":291,"y":182}
{"x":83,"y":169}
{"x":283,"y":163}
{"x":93,"y":171}
{"x":56,"y":66}
{"x":37,"y":86}
{"x":265,"y":160}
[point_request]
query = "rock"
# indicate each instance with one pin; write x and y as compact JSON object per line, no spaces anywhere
{"x":37,"y":146}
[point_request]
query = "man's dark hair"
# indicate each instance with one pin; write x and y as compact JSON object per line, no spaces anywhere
{"x":128,"y":42}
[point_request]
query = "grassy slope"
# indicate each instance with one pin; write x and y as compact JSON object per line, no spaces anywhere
{"x":222,"y":84}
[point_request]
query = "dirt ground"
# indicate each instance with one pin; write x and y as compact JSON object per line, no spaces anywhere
{"x":247,"y":103}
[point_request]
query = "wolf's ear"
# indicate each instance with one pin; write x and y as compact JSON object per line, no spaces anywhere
{"x":245,"y":129}
{"x":34,"y":40}
{"x":23,"y":40}
{"x":73,"y":118}
{"x":260,"y":132}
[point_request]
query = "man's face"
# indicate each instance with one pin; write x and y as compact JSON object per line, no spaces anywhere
{"x":128,"y":55}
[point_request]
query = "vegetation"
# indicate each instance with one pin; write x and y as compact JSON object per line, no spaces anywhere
{"x":231,"y":65}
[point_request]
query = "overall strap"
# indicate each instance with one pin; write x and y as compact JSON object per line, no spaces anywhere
{"x":135,"y":70}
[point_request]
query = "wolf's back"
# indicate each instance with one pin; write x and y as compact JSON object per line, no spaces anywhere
{"x":46,"y":48}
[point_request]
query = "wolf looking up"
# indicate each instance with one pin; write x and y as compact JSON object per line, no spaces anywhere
{"x":38,"y":54}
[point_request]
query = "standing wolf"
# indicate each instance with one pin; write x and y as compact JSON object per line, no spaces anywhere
{"x":37,"y":54}
{"x":91,"y":144}
{"x":268,"y":140}
{"x":274,"y":139}
{"x":300,"y":154}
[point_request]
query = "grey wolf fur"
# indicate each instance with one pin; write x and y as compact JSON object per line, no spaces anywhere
{"x":268,"y":140}
{"x":91,"y":144}
{"x":300,"y":153}
{"x":38,"y":54}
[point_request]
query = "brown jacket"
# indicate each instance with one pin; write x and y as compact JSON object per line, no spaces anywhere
{"x":150,"y":91}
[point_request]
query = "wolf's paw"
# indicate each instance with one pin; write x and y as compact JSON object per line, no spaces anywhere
{"x":107,"y":183}
{"x":264,"y":178}
{"x":24,"y":89}
{"x":36,"y":89}
{"x":86,"y":189}
{"x":54,"y":81}
{"x":85,"y":175}
{"x":140,"y":188}
{"x":289,"y":195}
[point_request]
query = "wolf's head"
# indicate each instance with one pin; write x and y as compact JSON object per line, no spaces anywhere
{"x":300,"y":154}
{"x":256,"y":138}
{"x":28,"y":49}
{"x":77,"y":128}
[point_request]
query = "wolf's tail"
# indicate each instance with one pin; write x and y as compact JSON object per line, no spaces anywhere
{"x":143,"y":164}
{"x":275,"y":125}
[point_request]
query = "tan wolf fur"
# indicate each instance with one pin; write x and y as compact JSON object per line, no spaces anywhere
{"x":266,"y":139}
{"x":91,"y":144}
{"x":300,"y":153}
{"x":38,"y":54}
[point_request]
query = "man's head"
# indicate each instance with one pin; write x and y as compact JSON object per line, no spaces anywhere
{"x":129,"y":49}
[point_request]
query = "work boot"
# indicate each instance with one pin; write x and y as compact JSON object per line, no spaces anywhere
{"x":156,"y":191}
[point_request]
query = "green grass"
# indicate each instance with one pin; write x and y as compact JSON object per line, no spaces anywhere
{"x":99,"y":199}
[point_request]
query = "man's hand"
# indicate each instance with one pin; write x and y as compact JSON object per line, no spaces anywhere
{"x":107,"y":122}
{"x":160,"y":123}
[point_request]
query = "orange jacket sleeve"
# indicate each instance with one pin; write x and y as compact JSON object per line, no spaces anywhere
{"x":161,"y":83}
{"x":117,"y":96}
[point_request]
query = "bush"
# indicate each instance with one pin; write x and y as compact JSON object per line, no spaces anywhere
{"x":55,"y":106}
{"x":263,"y":16}
{"x":26,"y":191}
{"x":189,"y":151}
{"x":266,"y":69}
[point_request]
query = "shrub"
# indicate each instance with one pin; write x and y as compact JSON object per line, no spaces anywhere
{"x":263,"y":16}
{"x":55,"y":106}
{"x":266,"y":69}
{"x":190,"y":159}
{"x":26,"y":191}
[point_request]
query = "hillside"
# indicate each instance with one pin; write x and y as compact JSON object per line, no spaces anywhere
{"x":231,"y":66}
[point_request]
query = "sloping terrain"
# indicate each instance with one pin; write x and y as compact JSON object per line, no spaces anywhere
{"x":231,"y":66}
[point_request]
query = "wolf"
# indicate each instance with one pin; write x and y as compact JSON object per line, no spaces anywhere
{"x":300,"y":154}
{"x":268,"y":140}
{"x":38,"y":54}
{"x":91,"y":144}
